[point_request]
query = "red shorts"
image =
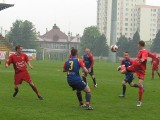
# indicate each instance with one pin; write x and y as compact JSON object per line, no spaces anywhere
{"x":19,"y":77}
{"x":139,"y":72}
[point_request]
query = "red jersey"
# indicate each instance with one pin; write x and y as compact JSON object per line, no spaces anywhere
{"x":18,"y":62}
{"x":155,"y":63}
{"x":142,"y":57}
{"x":88,"y":60}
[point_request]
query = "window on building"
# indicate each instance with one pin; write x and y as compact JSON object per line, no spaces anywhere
{"x":154,"y":10}
{"x":126,"y":19}
{"x":126,"y":24}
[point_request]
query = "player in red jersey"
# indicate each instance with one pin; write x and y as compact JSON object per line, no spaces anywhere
{"x":89,"y":62}
{"x":19,"y":61}
{"x":155,"y":64}
{"x":139,"y":67}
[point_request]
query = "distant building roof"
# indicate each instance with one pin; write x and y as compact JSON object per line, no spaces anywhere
{"x":4,"y":6}
{"x":56,"y":35}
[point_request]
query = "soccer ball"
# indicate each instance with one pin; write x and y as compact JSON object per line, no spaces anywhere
{"x":114,"y":48}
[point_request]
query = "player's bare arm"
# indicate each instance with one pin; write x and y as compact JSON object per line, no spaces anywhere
{"x":29,"y":64}
{"x":85,"y":69}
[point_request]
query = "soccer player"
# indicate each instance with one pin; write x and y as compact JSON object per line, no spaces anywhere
{"x":72,"y":66}
{"x":19,"y":61}
{"x":139,"y":67}
{"x":155,"y":64}
{"x":129,"y":75}
{"x":89,"y":62}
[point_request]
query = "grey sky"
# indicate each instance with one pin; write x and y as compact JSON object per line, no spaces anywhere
{"x":69,"y":15}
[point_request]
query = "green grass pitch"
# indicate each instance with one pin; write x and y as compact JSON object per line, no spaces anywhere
{"x":60,"y":102}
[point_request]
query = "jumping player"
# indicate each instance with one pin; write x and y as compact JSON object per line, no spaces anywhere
{"x":19,"y":61}
{"x":139,"y":67}
{"x":129,"y":75}
{"x":89,"y":62}
{"x":155,"y":64}
{"x":72,"y":66}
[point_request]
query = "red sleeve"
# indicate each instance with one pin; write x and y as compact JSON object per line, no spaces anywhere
{"x":64,"y":66}
{"x":92,"y":60}
{"x":151,"y":55}
{"x":9,"y":61}
{"x":81,"y":63}
{"x":26,"y":58}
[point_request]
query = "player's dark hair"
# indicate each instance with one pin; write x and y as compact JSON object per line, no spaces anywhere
{"x":126,"y":52}
{"x":74,"y":52}
{"x":142,"y":43}
{"x":18,"y":47}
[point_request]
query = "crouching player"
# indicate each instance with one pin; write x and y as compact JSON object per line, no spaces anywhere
{"x":72,"y":66}
{"x":129,"y":75}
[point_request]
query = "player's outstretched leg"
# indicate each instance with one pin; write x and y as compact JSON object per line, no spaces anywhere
{"x":124,"y":91}
{"x":88,"y":98}
{"x":16,"y":91}
{"x":94,"y":80}
{"x":79,"y":96}
{"x":141,"y":91}
{"x":36,"y":90}
{"x":134,"y":85}
{"x":95,"y":83}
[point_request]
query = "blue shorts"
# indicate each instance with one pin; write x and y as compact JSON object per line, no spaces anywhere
{"x":129,"y":78}
{"x":91,"y":73}
{"x":78,"y":85}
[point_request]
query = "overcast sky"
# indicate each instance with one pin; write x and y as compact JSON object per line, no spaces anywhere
{"x":69,"y":15}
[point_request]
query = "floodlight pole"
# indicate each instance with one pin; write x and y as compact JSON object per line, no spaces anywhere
{"x":112,"y":55}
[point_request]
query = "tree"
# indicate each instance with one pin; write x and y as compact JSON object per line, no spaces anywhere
{"x":23,"y":33}
{"x":89,"y":38}
{"x":155,"y":47}
{"x":102,"y":48}
{"x":133,"y":44}
{"x":123,"y":45}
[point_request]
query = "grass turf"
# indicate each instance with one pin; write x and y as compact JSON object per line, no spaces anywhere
{"x":60,"y":102}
